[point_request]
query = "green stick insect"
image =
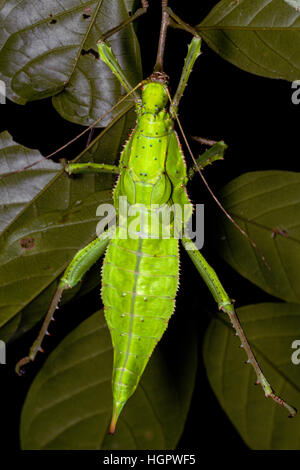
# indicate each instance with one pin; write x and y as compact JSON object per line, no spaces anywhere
{"x":140,"y":274}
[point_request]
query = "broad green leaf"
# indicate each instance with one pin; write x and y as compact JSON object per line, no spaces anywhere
{"x":69,"y":403}
{"x":17,"y":187}
{"x":266,"y":204}
{"x":259,"y":36}
{"x":271,"y":329}
{"x":55,"y":222}
{"x":49,"y":49}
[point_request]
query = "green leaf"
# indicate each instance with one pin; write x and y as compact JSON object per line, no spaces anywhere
{"x":259,"y":36}
{"x":49,"y":49}
{"x":70,"y":401}
{"x":271,"y":329}
{"x":58,"y":217}
{"x":266,"y":204}
{"x":15,"y":189}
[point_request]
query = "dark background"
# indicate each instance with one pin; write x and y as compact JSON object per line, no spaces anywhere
{"x":259,"y":123}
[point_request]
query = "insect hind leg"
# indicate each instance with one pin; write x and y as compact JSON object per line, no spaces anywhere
{"x":226,"y":305}
{"x":80,"y":264}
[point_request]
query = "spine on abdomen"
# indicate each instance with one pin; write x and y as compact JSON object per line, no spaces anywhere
{"x":139,"y":284}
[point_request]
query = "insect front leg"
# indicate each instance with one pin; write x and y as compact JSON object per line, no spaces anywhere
{"x":81,"y":168}
{"x":80,"y":264}
{"x":106,"y":54}
{"x":226,"y":305}
{"x":193,"y":53}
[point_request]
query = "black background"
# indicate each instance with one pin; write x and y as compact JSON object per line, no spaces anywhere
{"x":259,"y":123}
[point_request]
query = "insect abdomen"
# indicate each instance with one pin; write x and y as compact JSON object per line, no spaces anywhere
{"x":139,"y":284}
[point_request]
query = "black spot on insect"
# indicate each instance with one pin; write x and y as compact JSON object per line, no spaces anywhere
{"x":90,"y":52}
{"x":136,"y":156}
{"x":150,"y":145}
{"x":155,"y":158}
{"x":159,"y":140}
{"x":85,"y":16}
{"x":53,"y":21}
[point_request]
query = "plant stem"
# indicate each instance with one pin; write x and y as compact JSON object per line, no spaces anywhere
{"x":162,"y":37}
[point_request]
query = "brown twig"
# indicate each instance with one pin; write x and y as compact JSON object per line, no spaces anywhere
{"x":162,"y":37}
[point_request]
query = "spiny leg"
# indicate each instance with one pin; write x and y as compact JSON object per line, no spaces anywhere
{"x":169,"y":18}
{"x":80,"y":264}
{"x":245,"y":234}
{"x":217,"y":149}
{"x":193,"y":52}
{"x":107,"y":55}
{"x":216,"y":152}
{"x":226,"y":305}
{"x":81,"y":168}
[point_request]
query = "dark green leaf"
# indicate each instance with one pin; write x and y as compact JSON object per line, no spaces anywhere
{"x":49,"y":49}
{"x":55,"y":222}
{"x":16,"y":191}
{"x":271,"y":329}
{"x":69,"y":403}
{"x":266,"y":204}
{"x":259,"y":36}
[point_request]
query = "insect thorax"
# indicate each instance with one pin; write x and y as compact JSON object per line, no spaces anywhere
{"x":154,"y":97}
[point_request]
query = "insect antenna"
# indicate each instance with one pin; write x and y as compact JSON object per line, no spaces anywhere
{"x":90,"y":128}
{"x":261,"y":255}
